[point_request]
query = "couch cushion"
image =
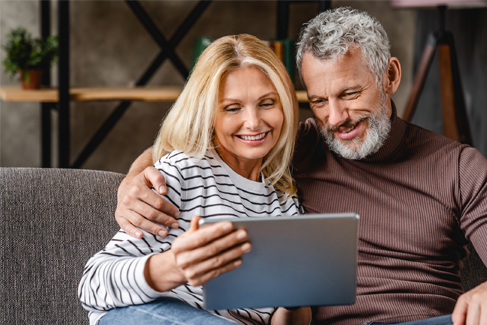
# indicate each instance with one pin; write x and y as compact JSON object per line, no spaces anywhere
{"x":474,"y":272}
{"x":51,"y":222}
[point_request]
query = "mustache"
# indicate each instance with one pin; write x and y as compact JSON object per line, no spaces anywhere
{"x":349,"y":123}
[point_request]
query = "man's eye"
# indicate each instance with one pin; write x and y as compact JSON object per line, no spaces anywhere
{"x":351,"y":94}
{"x":317,"y":102}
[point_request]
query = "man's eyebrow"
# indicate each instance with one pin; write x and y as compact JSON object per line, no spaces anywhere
{"x":346,"y":88}
{"x":313,"y":97}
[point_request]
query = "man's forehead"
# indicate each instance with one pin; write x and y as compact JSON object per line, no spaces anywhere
{"x":353,"y":53}
{"x":349,"y":65}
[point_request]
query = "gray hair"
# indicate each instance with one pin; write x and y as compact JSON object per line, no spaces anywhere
{"x":333,"y":32}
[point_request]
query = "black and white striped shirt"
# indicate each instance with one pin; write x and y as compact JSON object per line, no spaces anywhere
{"x":114,"y":277}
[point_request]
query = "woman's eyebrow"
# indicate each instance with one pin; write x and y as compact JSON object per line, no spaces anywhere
{"x":226,"y":99}
{"x":268,"y":94}
{"x":229,"y":100}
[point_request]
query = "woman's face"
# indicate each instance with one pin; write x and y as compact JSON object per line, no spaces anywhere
{"x":249,"y":118}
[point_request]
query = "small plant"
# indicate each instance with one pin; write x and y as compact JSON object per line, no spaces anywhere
{"x":25,"y":53}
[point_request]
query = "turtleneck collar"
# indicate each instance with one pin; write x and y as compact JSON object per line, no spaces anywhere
{"x":393,"y":142}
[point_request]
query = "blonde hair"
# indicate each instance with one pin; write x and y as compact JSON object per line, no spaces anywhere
{"x":189,"y":125}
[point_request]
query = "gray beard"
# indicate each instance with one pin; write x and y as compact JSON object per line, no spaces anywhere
{"x":379,"y":125}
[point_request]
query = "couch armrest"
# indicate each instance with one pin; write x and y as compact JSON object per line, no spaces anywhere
{"x":51,"y":222}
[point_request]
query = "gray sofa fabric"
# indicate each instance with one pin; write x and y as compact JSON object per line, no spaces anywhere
{"x":51,"y":222}
{"x":474,"y":271}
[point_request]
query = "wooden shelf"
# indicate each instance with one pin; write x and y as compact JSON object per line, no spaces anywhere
{"x":50,"y":95}
{"x":302,"y":96}
{"x":148,"y":94}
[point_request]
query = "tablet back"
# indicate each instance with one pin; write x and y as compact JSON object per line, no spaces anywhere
{"x":307,"y":260}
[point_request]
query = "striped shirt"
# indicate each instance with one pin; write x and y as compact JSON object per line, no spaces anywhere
{"x":114,"y":277}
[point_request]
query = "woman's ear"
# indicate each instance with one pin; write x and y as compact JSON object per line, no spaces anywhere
{"x":392,"y":76}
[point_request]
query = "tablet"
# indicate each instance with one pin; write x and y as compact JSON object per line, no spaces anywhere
{"x":305,"y":260}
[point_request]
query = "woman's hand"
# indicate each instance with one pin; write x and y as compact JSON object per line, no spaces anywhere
{"x":197,"y":256}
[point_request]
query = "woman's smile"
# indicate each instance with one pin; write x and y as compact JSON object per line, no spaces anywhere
{"x":253,"y":139}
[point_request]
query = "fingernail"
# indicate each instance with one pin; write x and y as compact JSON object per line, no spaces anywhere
{"x":162,"y":233}
{"x":176,"y":214}
{"x":227,"y":226}
{"x":238,"y":263}
{"x":138,"y":234}
{"x":246,"y":247}
{"x":241,"y":234}
{"x":162,"y":189}
{"x":175,"y":225}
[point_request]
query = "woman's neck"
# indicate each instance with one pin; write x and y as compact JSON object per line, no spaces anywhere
{"x":248,"y":168}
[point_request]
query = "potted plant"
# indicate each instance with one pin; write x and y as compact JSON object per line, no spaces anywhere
{"x":28,"y":56}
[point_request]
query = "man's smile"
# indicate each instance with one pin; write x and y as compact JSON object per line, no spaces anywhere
{"x":349,"y":130}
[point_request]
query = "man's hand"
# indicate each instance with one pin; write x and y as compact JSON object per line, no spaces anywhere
{"x":299,"y":316}
{"x":471,"y":307}
{"x":138,"y":205}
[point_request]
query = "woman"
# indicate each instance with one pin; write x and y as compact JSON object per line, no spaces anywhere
{"x":230,"y":136}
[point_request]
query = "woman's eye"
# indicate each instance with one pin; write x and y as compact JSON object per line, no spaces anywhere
{"x":267,"y":103}
{"x":232,"y":109}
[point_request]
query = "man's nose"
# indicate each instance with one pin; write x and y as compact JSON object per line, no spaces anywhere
{"x":337,"y":112}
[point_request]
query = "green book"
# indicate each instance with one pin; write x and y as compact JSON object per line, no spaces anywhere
{"x":200,"y":44}
{"x":289,"y":58}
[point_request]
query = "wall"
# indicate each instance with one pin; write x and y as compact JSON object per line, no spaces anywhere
{"x":469,"y":29}
{"x":109,"y":47}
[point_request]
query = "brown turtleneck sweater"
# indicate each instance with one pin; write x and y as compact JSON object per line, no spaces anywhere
{"x":420,"y":198}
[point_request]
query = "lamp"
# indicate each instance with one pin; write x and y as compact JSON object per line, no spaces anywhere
{"x":455,"y":120}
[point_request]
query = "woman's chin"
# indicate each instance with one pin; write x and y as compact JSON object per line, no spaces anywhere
{"x":254,"y":153}
{"x":253,"y":156}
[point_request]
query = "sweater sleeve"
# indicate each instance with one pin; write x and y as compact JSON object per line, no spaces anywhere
{"x":114,"y":277}
{"x":473,"y":191}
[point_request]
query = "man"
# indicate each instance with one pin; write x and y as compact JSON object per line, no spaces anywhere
{"x":420,"y":196}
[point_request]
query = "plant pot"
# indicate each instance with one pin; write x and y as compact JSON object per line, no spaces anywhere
{"x":30,"y":79}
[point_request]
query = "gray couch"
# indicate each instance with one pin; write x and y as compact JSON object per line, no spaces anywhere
{"x":51,"y":222}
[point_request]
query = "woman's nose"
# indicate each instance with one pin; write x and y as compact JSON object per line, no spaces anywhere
{"x":252,"y":118}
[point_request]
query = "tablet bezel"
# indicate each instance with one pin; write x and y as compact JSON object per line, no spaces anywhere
{"x":242,"y":288}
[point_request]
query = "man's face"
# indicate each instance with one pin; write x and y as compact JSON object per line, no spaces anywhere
{"x":350,"y":107}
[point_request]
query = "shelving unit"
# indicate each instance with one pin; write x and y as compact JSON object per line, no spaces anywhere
{"x":60,"y":98}
{"x":146,"y":94}
{"x":51,"y":95}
